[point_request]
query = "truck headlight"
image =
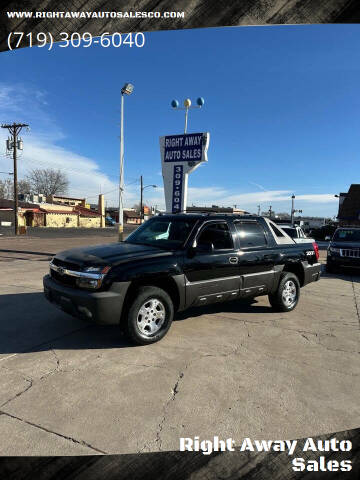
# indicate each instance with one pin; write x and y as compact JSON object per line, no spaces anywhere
{"x":92,"y":277}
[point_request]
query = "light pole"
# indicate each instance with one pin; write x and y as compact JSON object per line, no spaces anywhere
{"x":187,"y":105}
{"x":142,"y":188}
{"x":293,"y":211}
{"x":127,"y":89}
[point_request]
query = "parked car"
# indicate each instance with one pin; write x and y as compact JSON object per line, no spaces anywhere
{"x":344,"y":249}
{"x":173,"y":262}
{"x":322,"y":232}
{"x":296,"y":233}
{"x":110,"y":221}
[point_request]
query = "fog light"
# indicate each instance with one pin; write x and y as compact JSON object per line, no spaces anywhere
{"x":85,"y":311}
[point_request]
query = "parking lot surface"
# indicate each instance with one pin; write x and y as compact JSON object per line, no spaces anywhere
{"x":234,"y":370}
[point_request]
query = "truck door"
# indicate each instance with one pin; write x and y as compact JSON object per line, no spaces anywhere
{"x":211,"y":270}
{"x":256,"y":258}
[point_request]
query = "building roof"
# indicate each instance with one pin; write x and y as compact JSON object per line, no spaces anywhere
{"x":86,"y":212}
{"x":350,"y":207}
{"x":67,"y":198}
{"x":130,"y":214}
{"x":5,"y":203}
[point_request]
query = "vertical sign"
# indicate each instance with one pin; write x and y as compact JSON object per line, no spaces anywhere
{"x":177,"y":188}
{"x":181,"y":155}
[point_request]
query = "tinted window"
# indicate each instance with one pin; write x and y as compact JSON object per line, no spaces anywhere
{"x":162,"y":232}
{"x":251,"y":234}
{"x":291,"y":232}
{"x":347,"y":235}
{"x":218,"y":234}
{"x":276,"y":230}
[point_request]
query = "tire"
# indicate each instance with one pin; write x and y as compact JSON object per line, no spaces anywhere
{"x":149,"y":316}
{"x":281,"y":302}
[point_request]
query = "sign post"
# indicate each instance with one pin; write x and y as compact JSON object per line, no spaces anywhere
{"x":181,"y":155}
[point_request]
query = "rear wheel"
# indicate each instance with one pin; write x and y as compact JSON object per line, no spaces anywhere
{"x":150,"y":315}
{"x":287,"y":295}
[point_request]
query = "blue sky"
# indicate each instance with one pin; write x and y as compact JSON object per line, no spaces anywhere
{"x":282,"y":106}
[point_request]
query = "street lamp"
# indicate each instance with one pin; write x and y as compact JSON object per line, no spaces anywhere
{"x":127,"y":89}
{"x":187,"y":105}
{"x":293,"y":211}
{"x":142,"y":188}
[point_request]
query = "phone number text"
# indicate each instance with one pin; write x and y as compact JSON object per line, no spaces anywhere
{"x":75,"y":40}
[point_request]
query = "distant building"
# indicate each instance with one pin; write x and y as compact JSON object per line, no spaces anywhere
{"x":71,"y":201}
{"x":49,"y":215}
{"x":132,"y":217}
{"x":349,"y":206}
{"x":216,"y":209}
{"x":32,"y":197}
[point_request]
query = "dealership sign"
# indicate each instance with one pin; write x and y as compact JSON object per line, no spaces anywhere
{"x":181,"y":155}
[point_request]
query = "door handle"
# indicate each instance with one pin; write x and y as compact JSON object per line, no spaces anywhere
{"x":233,"y":260}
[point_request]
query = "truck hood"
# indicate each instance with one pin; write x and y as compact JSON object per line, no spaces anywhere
{"x":108,"y":254}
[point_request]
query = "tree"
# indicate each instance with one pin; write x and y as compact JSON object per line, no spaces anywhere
{"x":23,"y":187}
{"x":48,"y":181}
{"x":136,"y":207}
{"x":6,"y":189}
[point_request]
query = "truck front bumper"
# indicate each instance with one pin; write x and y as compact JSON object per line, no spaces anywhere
{"x":98,"y":307}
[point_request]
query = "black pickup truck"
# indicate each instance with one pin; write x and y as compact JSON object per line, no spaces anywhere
{"x":173,"y":262}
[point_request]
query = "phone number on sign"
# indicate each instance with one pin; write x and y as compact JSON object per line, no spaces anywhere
{"x":75,"y":40}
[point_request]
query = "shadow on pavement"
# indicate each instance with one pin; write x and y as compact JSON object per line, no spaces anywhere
{"x":28,"y":322}
{"x":346,"y":274}
{"x":235,"y":306}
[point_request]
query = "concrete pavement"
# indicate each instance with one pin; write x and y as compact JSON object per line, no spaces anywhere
{"x":235,"y":369}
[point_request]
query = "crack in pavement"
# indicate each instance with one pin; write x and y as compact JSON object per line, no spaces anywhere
{"x":174,"y":392}
{"x":54,"y":370}
{"x":19,"y":393}
{"x":355,"y":301}
{"x":78,"y":442}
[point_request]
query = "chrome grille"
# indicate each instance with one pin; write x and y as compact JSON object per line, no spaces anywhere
{"x":350,"y":252}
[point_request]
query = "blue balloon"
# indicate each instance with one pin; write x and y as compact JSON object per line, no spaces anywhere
{"x":200,"y":101}
{"x":174,"y":103}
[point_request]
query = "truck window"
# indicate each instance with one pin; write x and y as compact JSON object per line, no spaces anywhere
{"x":251,"y":234}
{"x":276,"y":230}
{"x":218,"y":234}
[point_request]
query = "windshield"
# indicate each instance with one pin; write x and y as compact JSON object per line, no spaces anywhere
{"x":347,"y":235}
{"x":290,"y":231}
{"x":167,"y":233}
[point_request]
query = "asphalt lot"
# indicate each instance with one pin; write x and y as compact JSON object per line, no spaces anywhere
{"x":234,"y":370}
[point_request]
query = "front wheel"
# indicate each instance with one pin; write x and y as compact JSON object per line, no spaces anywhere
{"x":150,"y":315}
{"x":287,"y":295}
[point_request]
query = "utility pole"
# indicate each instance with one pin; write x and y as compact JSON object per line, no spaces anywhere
{"x":258,"y":207}
{"x":142,"y":188}
{"x":14,"y":143}
{"x":270,"y":211}
{"x":141,"y":198}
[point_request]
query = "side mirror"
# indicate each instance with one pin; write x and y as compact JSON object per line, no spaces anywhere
{"x":327,"y":238}
{"x":205,"y":247}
